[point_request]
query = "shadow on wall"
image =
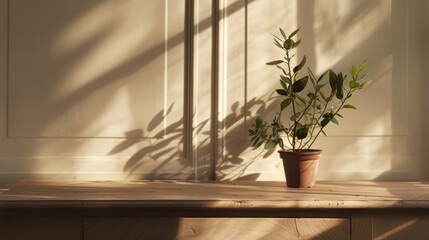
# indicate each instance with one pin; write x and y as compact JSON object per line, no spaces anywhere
{"x":65,"y":56}
{"x":165,"y":148}
{"x":237,"y":119}
{"x":70,"y":61}
{"x":69,"y":89}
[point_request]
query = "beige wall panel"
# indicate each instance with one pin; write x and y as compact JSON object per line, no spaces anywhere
{"x":88,"y":68}
{"x":232,"y":75}
{"x":378,"y":140}
{"x":93,"y":89}
{"x":203,"y":91}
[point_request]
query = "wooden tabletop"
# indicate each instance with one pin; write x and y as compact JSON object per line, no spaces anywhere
{"x":211,"y":195}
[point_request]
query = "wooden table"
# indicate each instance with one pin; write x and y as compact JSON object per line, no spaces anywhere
{"x":213,"y":210}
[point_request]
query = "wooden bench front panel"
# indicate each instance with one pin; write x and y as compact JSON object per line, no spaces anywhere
{"x":216,"y":228}
{"x":41,"y":228}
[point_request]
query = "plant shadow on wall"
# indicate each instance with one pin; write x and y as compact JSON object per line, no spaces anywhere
{"x":230,"y":164}
{"x":76,"y":61}
{"x":163,"y":156}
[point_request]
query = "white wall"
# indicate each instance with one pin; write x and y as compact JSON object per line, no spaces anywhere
{"x":98,"y":90}
{"x":94,"y":89}
{"x":383,"y":140}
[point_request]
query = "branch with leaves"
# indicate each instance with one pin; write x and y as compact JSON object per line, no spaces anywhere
{"x":309,"y":107}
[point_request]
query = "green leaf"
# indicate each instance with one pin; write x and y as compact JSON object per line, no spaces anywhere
{"x":333,"y":80}
{"x":283,"y":84}
{"x":340,"y":83}
{"x":350,"y":106}
{"x":365,"y":84}
{"x":282,"y":92}
{"x":353,"y":84}
{"x":300,"y":65}
{"x":295,"y":116}
{"x":340,"y":80}
{"x":283,"y":33}
{"x":353,"y":72}
{"x":300,"y":84}
{"x":340,"y":93}
{"x":328,"y":114}
{"x":320,"y":86}
{"x":294,"y":32}
{"x":270,"y":144}
{"x":275,"y":62}
{"x":366,"y":74}
{"x":285,"y":103}
{"x":286,"y":79}
{"x":288,"y":44}
{"x":324,"y":122}
{"x":302,"y":133}
{"x":312,"y":77}
{"x":334,"y":120}
{"x":323,"y":75}
{"x":361,"y":67}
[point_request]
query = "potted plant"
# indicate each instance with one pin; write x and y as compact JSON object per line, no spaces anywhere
{"x":308,"y":104}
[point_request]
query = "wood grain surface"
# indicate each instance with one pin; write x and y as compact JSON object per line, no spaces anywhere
{"x":235,"y":195}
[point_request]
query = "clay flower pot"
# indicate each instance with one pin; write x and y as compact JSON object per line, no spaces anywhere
{"x":301,"y":167}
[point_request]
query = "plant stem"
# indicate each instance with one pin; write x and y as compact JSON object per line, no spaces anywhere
{"x":343,"y":101}
{"x":293,"y":102}
{"x":312,"y":139}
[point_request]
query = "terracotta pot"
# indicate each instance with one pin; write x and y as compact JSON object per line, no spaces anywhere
{"x":301,"y":167}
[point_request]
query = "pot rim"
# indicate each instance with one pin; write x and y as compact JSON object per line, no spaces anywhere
{"x":308,"y":151}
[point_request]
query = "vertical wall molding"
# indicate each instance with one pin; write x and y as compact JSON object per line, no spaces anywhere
{"x":189,"y":79}
{"x":215,"y":89}
{"x":204,"y":65}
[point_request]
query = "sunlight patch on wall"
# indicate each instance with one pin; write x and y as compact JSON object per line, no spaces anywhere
{"x":360,"y":160}
{"x":346,"y":34}
{"x":98,"y":70}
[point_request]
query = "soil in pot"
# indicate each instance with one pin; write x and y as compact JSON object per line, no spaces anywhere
{"x":301,"y":167}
